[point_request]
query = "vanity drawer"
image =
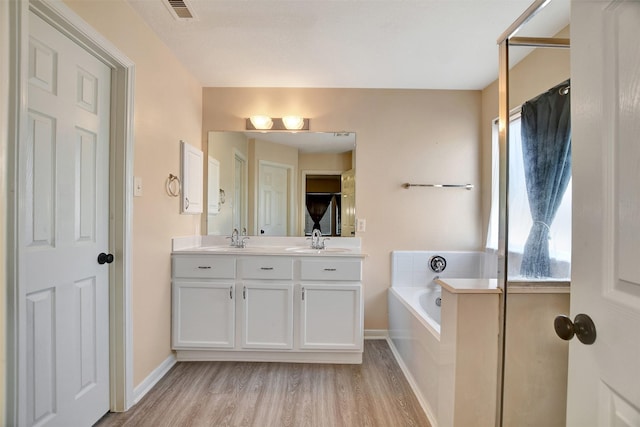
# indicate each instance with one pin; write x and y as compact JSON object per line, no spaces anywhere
{"x":264,"y":267}
{"x":213,"y":267}
{"x":331,"y":270}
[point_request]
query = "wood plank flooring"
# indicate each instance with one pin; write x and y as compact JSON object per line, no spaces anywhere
{"x":375,"y":393}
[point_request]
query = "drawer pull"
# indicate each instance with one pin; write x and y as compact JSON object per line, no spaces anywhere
{"x":204,"y":267}
{"x":329,"y":269}
{"x":266,"y":268}
{"x":302,"y":294}
{"x":244,"y":292}
{"x":231,"y":292}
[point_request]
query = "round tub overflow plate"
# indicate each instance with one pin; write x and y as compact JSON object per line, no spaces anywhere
{"x":437,"y":264}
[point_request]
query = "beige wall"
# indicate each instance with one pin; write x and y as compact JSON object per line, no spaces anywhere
{"x":419,"y":136}
{"x":325,"y":161}
{"x":168,"y":108}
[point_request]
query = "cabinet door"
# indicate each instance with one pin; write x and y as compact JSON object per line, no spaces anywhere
{"x":203,"y":315}
{"x":267,"y":316}
{"x":213,"y":176}
{"x":331,"y":317}
{"x":192,"y":176}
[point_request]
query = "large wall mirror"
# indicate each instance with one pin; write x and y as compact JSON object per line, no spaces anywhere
{"x":281,"y":183}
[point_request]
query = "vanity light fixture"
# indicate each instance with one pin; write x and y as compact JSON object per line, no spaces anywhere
{"x":266,"y":123}
{"x":293,"y":122}
{"x":261,"y":122}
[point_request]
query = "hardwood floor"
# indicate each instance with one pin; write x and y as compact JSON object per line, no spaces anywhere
{"x":375,"y":393}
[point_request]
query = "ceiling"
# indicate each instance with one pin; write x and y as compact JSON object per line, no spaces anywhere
{"x":393,"y":44}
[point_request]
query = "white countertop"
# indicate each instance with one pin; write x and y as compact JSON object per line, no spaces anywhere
{"x":470,"y":286}
{"x":272,"y":246}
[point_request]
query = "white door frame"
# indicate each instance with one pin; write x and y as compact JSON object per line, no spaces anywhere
{"x":238,"y":155}
{"x":120,"y":199}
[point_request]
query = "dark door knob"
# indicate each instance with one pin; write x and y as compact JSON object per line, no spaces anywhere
{"x":582,"y":327}
{"x":105,"y":258}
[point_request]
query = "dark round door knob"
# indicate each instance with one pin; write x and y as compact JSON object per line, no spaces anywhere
{"x":105,"y":258}
{"x":582,"y":327}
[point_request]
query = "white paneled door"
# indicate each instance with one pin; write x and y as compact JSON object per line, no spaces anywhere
{"x":64,"y":207}
{"x":273,"y":199}
{"x":604,"y":377}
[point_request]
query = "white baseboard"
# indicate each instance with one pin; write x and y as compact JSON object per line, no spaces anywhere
{"x":414,"y":386}
{"x":376,"y":334}
{"x":152,"y":379}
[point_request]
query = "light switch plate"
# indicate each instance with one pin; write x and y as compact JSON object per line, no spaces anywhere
{"x":137,"y":186}
{"x":361,"y":224}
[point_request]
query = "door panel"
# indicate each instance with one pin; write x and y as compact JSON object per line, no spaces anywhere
{"x":64,"y":225}
{"x":85,"y":179}
{"x":40,"y":181}
{"x":192,"y":179}
{"x":273,"y":200}
{"x":605,"y":87}
{"x":85,"y":291}
{"x":41,"y":356}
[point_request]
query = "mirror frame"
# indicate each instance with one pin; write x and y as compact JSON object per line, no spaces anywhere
{"x":296,"y":183}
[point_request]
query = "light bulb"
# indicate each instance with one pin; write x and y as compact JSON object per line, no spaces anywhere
{"x":293,"y":122}
{"x":261,"y":122}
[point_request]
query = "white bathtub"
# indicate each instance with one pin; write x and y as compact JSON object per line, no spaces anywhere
{"x":415,"y":339}
{"x":422,"y":302}
{"x":414,"y":320}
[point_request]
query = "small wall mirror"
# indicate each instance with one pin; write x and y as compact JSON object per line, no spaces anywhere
{"x":281,"y":183}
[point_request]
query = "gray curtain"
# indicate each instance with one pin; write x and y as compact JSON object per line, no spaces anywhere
{"x":546,"y":149}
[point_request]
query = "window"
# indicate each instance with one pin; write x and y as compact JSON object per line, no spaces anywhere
{"x":520,"y":221}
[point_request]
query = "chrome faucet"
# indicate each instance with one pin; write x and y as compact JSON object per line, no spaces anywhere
{"x":316,"y":235}
{"x":234,"y":238}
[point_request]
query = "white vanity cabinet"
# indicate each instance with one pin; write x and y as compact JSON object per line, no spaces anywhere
{"x":331,"y":310}
{"x":267,"y":302}
{"x":203,"y":302}
{"x":290,"y":308}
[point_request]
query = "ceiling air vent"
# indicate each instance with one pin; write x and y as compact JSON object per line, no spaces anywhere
{"x":180,"y":9}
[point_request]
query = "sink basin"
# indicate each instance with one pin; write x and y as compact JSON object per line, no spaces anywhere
{"x":221,"y":249}
{"x":273,"y":250}
{"x":247,"y":249}
{"x":307,"y":250}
